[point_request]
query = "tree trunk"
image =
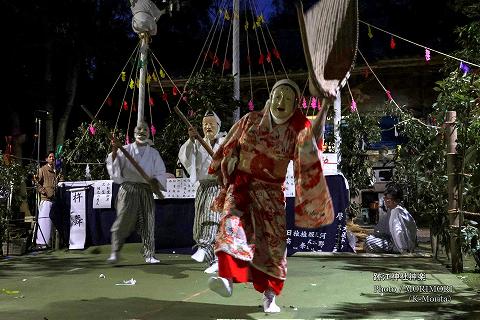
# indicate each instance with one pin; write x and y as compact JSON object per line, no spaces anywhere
{"x":49,"y":103}
{"x":71,"y":93}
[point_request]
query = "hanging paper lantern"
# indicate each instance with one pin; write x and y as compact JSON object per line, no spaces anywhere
{"x":392,"y":43}
{"x":251,"y":107}
{"x":261,"y":58}
{"x":353,"y":106}
{"x":304,"y":103}
{"x":370,"y":34}
{"x":151,"y":102}
{"x":153,"y":130}
{"x":109,"y":101}
{"x":389,"y":95}
{"x":125,"y":105}
{"x":124,"y":76}
{"x":91,"y":129}
{"x":313,"y":103}
{"x":427,"y":55}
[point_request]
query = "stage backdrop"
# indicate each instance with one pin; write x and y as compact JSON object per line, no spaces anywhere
{"x":174,"y":216}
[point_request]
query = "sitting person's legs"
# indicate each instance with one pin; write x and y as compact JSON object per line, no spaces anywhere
{"x":378,"y":244}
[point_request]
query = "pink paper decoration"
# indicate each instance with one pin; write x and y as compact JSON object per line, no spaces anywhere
{"x":353,"y":106}
{"x":251,"y":107}
{"x":304,"y":104}
{"x":427,"y":55}
{"x":153,"y":130}
{"x":389,"y":95}
{"x":127,"y":140}
{"x":313,"y":103}
{"x":91,"y":129}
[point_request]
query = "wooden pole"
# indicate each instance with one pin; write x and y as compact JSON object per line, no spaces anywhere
{"x":236,"y":56}
{"x":198,"y":137}
{"x":143,"y":71}
{"x":455,"y":217}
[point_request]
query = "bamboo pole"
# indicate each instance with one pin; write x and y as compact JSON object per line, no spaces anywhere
{"x":454,"y":215}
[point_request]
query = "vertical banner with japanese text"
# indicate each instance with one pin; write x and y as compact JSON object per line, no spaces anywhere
{"x":77,"y":219}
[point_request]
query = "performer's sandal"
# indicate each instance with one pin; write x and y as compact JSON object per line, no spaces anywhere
{"x":269,"y":305}
{"x":212,"y":269}
{"x":221,"y":286}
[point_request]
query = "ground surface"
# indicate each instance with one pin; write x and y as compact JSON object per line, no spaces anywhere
{"x":80,"y":285}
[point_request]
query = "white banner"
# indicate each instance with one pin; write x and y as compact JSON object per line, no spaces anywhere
{"x":77,"y":219}
{"x":102,"y":194}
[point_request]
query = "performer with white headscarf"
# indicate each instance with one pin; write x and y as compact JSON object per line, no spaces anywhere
{"x":196,"y":160}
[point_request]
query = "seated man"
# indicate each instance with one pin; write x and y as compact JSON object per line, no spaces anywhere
{"x":396,"y":231}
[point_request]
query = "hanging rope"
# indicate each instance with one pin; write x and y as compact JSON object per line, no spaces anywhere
{"x":248,"y":53}
{"x":260,"y":26}
{"x":126,"y":89}
{"x":259,"y":50}
{"x":420,"y":45}
{"x":134,"y":53}
{"x":411,"y":118}
{"x":275,"y":47}
{"x":226,"y":48}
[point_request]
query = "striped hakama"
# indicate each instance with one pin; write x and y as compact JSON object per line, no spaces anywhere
{"x":205,"y":224}
{"x":135,"y":210}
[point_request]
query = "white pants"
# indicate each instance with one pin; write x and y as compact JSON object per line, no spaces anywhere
{"x":44,"y":229}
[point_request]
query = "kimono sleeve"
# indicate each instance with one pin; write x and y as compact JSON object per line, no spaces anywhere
{"x":313,"y":204}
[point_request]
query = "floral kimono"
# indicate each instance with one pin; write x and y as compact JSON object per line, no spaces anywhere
{"x":252,"y":162}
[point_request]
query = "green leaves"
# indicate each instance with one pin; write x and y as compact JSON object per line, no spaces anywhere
{"x":205,"y":91}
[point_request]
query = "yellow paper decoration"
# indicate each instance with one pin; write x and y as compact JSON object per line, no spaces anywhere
{"x":246,"y":25}
{"x":154,"y":77}
{"x":131,"y":84}
{"x":226,"y":16}
{"x":124,"y":76}
{"x":162,"y":73}
{"x":260,"y":20}
{"x":149,"y":77}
